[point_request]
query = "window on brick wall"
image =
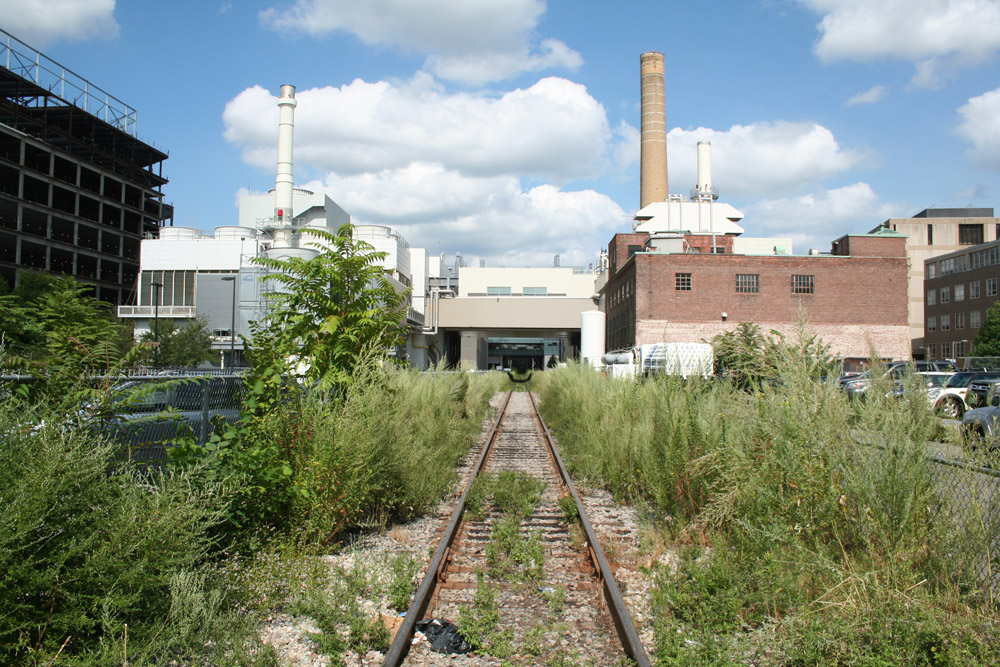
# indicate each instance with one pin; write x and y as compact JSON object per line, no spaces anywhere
{"x":946,"y":350}
{"x":803,"y":285}
{"x":932,"y":350}
{"x":945,"y":295}
{"x":748,"y":283}
{"x":960,"y":292}
{"x":682,"y":282}
{"x":974,"y":290}
{"x":932,"y":323}
{"x":991,"y":287}
{"x":974,"y":319}
{"x":931,"y":269}
{"x":959,"y":320}
{"x":960,"y":348}
{"x":946,"y":323}
{"x":931,"y":297}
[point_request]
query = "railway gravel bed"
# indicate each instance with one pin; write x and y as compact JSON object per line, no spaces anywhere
{"x":571,"y":629}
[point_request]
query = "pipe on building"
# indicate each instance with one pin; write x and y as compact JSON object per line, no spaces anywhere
{"x":653,"y":152}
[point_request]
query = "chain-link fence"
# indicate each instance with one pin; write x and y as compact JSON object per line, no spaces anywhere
{"x":147,"y":414}
{"x":970,"y":495}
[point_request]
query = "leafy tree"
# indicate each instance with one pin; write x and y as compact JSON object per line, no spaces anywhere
{"x":740,"y":354}
{"x":183,"y":347}
{"x":79,"y":330}
{"x":328,"y":310}
{"x":749,"y":357}
{"x":987,"y":342}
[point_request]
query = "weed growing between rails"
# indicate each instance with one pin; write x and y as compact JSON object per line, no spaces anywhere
{"x":815,"y":534}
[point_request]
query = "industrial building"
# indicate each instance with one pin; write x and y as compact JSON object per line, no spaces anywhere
{"x":187,"y":273}
{"x":686,"y":274}
{"x":510,"y":317}
{"x":959,"y":288}
{"x":932,"y":233}
{"x":78,"y":189}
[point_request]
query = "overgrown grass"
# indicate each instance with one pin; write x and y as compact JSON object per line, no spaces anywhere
{"x":816,"y":534}
{"x":105,"y":564}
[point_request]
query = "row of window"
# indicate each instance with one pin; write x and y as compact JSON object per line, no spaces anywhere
{"x":948,"y":350}
{"x":970,"y":262}
{"x":958,"y":291}
{"x":525,"y":291}
{"x":945,"y":321}
{"x":749,"y":283}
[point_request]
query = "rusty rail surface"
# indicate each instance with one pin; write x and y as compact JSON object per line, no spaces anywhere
{"x":626,"y":632}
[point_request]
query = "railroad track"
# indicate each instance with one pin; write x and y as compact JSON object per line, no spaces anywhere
{"x":559,"y":601}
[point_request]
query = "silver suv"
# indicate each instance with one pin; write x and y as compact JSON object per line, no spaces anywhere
{"x":981,"y":426}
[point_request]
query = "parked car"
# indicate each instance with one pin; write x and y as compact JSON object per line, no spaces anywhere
{"x":981,"y":426}
{"x":928,"y":381}
{"x":979,"y":390}
{"x":950,"y":401}
{"x":856,"y":386}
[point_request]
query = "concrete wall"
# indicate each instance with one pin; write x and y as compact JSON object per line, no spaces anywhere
{"x":557,"y":280}
{"x":530,"y":313}
{"x":889,"y":341}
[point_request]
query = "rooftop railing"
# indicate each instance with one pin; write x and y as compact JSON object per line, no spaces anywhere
{"x":67,"y":85}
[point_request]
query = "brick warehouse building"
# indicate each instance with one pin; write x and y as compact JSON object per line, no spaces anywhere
{"x":851,"y":298}
{"x":78,"y":190}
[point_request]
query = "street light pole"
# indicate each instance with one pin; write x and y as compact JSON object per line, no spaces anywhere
{"x":156,"y":323}
{"x":232,"y":329}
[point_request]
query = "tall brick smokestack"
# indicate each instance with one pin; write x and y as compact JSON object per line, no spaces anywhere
{"x":653,"y":155}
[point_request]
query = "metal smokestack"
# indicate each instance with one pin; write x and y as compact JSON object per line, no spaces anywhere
{"x":704,"y":167}
{"x":284,"y":184}
{"x":653,"y":153}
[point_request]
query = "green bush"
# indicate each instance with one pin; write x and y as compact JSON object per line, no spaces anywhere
{"x":89,"y":546}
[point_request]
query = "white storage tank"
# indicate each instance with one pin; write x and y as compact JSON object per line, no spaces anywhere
{"x":287,"y":253}
{"x":235,"y":232}
{"x":592,"y":328}
{"x":179,"y":233}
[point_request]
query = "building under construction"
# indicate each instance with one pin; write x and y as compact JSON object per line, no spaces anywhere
{"x":78,"y":189}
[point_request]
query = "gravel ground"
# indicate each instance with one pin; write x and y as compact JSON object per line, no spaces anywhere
{"x":617,"y":526}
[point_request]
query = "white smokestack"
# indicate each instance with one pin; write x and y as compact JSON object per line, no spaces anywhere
{"x":705,"y":167}
{"x":284,"y":183}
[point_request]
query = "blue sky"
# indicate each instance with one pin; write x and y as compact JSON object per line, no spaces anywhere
{"x":507,"y":129}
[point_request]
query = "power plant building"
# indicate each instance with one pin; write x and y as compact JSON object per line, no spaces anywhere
{"x":686,"y":274}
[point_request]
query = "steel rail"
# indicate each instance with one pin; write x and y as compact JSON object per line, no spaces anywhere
{"x":401,"y":643}
{"x":616,"y":604}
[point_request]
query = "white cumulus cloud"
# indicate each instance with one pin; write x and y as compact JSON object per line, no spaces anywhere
{"x":470,"y":42}
{"x":494,"y":218}
{"x":816,"y":219}
{"x":553,"y":130}
{"x":760,"y":159}
{"x":870,"y":96}
{"x":936,"y":35}
{"x":43,"y":22}
{"x":981,"y":126}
